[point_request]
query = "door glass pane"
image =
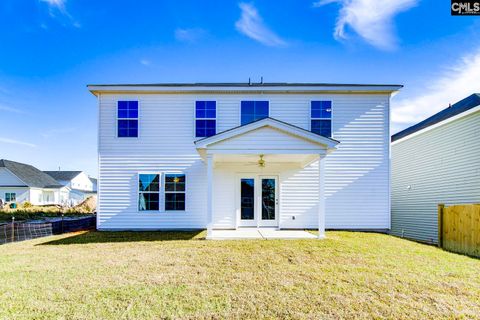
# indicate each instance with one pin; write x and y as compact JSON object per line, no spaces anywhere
{"x":268,"y":199}
{"x":247,"y":196}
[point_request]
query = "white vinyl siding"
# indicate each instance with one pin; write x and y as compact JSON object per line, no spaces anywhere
{"x":357,"y":177}
{"x":441,"y":165}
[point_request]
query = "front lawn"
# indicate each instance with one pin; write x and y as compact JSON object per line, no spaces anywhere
{"x":150,"y":275}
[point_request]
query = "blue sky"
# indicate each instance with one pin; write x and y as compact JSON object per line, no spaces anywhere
{"x":50,"y":50}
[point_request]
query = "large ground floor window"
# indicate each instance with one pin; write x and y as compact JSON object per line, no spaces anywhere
{"x":151,"y":194}
{"x":10,"y":196}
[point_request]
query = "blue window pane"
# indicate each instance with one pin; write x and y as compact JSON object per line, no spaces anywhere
{"x":326,"y":109}
{"x":246,"y":118}
{"x":321,"y":109}
{"x":253,"y":111}
{"x":210,"y":114}
{"x":205,"y":109}
{"x":133,"y":104}
{"x":322,"y":127}
{"x":122,"y":113}
{"x":149,"y":182}
{"x":200,"y":105}
{"x":205,"y":128}
{"x":175,"y":201}
{"x":133,"y":112}
{"x":127,"y":128}
{"x":148,"y":201}
{"x":210,"y":105}
{"x":247,"y":107}
{"x":127,"y":109}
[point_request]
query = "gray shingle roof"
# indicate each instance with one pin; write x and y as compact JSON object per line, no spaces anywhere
{"x":31,"y":176}
{"x":461,"y":106}
{"x":63,"y":175}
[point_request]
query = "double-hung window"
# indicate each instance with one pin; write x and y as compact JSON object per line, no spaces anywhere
{"x":205,"y":118}
{"x":10,"y":197}
{"x":174,"y":192}
{"x":127,"y":119}
{"x":252,"y":111}
{"x":321,"y":118}
{"x":148,"y":192}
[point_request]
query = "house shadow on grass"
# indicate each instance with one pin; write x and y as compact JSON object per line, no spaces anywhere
{"x":126,"y":236}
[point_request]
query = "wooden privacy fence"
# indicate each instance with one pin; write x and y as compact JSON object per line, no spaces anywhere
{"x":459,"y":228}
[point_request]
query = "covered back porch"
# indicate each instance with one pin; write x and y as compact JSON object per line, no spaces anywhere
{"x":266,"y":174}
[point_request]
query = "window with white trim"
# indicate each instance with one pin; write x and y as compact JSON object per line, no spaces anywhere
{"x":127,"y":119}
{"x":10,"y":197}
{"x":321,"y":118}
{"x":251,"y":111}
{"x":175,"y":192}
{"x":148,"y":192}
{"x":205,"y":118}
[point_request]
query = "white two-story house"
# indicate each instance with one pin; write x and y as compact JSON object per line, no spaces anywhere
{"x":232,"y":155}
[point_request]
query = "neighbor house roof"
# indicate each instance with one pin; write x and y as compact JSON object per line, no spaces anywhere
{"x":461,"y":106}
{"x":243,"y":87}
{"x":63,"y":175}
{"x":31,"y":176}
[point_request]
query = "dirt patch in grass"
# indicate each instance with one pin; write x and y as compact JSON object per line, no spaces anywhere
{"x":149,"y":275}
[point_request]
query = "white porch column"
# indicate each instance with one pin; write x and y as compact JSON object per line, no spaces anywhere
{"x":209,"y":195}
{"x":321,"y":197}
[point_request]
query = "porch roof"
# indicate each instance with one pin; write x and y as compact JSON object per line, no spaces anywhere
{"x":318,"y":142}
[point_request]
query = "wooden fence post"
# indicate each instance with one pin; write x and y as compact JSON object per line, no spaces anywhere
{"x":440,"y":224}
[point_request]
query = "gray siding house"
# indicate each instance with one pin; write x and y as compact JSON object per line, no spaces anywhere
{"x":435,"y":161}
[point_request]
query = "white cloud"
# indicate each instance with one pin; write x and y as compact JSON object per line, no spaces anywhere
{"x":370,"y":19}
{"x":55,"y":6}
{"x":145,"y":62}
{"x":251,"y":24}
{"x":10,"y":109}
{"x":452,"y":85}
{"x":17,"y":142}
{"x":56,"y":132}
{"x":189,"y":35}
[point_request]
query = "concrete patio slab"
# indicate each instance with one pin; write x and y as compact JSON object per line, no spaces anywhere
{"x":260,"y":233}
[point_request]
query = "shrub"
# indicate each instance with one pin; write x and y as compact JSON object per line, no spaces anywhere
{"x":27,"y":204}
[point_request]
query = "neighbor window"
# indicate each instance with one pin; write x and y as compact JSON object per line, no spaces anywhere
{"x":148,"y":192}
{"x":321,"y":118}
{"x":10,"y":197}
{"x":175,"y":192}
{"x":205,"y":118}
{"x":127,"y":119}
{"x":253,"y":110}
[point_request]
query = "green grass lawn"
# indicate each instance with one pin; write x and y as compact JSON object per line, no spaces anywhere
{"x":178,"y":275}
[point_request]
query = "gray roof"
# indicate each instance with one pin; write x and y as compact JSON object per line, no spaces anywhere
{"x":31,"y":176}
{"x":246,"y":84}
{"x":461,"y":106}
{"x":63,"y":175}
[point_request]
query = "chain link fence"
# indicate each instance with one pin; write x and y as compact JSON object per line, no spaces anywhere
{"x":20,"y":231}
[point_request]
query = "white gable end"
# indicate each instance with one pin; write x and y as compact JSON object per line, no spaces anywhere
{"x":9,"y":179}
{"x":265,"y":138}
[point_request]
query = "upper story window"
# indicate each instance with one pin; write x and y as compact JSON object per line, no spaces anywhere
{"x":321,"y":118}
{"x":127,"y":119}
{"x":253,"y":111}
{"x":205,"y":118}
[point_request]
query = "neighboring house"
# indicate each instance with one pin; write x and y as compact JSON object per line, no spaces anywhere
{"x":79,"y":183}
{"x":21,"y":182}
{"x":230,"y":155}
{"x":435,"y":161}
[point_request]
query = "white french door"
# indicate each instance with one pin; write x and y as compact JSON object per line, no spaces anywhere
{"x":257,"y":204}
